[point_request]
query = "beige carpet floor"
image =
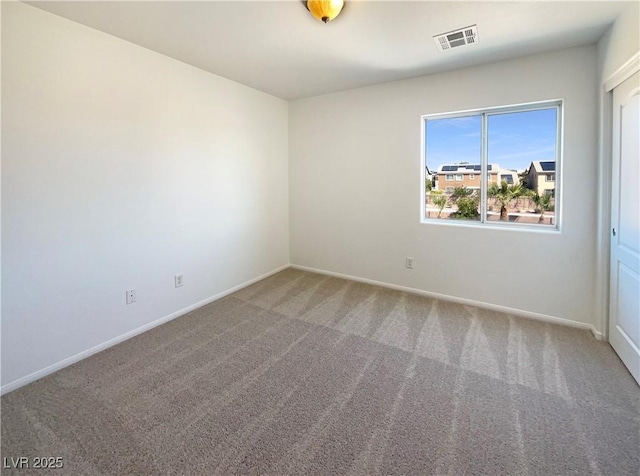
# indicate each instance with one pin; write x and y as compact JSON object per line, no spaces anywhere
{"x":307,"y":374}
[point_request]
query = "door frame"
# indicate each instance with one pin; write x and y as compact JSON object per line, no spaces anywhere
{"x":603,"y":236}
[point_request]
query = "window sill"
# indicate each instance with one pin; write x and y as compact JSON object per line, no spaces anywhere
{"x":524,"y":227}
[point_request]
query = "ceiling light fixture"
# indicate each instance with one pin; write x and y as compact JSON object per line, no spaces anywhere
{"x":324,"y":10}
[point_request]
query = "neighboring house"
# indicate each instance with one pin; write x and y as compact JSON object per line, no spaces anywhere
{"x":449,"y":177}
{"x":430,"y":177}
{"x":541,"y":177}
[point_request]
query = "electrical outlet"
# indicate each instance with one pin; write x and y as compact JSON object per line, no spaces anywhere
{"x":409,"y":262}
{"x":178,"y":280}
{"x":131,"y":296}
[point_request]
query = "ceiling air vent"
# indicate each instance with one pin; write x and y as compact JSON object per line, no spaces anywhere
{"x":453,"y":39}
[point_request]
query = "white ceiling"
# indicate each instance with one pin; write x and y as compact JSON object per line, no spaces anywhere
{"x":279,"y":48}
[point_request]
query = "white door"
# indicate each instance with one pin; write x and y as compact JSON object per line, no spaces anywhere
{"x":624,"y":312}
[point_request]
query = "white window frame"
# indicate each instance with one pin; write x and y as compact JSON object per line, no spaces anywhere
{"x":472,"y":176}
{"x":485,"y":174}
{"x":459,"y":177}
{"x":449,"y":178}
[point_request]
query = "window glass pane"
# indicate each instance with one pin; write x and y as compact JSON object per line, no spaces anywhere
{"x":453,"y":157}
{"x":519,"y":168}
{"x":522,"y":154}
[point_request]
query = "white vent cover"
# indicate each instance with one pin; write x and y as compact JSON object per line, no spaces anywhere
{"x":456,"y":38}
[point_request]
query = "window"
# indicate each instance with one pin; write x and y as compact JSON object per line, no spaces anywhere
{"x":505,"y":146}
{"x":507,"y":178}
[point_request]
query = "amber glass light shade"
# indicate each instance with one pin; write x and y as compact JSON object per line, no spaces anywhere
{"x":325,"y":10}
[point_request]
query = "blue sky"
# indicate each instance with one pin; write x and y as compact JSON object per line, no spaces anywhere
{"x":515,"y":139}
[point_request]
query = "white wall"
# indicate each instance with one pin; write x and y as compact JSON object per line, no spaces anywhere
{"x":122,"y":167}
{"x":354,"y":167}
{"x":621,"y":42}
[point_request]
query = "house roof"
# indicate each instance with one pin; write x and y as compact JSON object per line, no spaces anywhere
{"x":464,"y":168}
{"x":545,"y":166}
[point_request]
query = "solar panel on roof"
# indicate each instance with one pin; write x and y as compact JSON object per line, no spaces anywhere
{"x":490,"y":166}
{"x":476,"y":167}
{"x":449,"y":168}
{"x":548,"y":166}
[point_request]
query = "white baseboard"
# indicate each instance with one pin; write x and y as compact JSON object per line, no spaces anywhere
{"x":459,"y":300}
{"x":116,"y":340}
